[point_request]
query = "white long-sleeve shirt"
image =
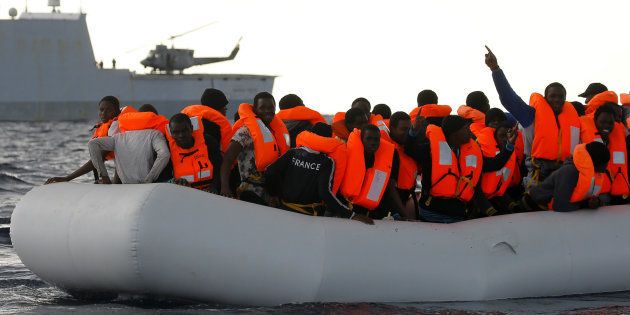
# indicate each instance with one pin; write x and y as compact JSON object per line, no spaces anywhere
{"x":141,"y":155}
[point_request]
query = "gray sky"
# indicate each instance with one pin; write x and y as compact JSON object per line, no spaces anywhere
{"x":330,"y":52}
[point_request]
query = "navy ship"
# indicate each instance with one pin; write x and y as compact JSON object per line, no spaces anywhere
{"x":49,"y":73}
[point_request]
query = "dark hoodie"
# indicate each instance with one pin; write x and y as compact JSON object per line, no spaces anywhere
{"x":559,"y":186}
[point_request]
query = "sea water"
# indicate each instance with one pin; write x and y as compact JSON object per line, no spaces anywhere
{"x":32,"y":152}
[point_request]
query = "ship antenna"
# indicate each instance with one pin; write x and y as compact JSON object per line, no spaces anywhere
{"x":25,"y":5}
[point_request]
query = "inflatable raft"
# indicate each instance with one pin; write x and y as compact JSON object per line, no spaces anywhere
{"x":166,"y":240}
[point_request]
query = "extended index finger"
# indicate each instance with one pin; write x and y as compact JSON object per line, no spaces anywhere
{"x":489,"y":51}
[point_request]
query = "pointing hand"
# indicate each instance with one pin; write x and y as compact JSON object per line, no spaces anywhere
{"x":491,"y":60}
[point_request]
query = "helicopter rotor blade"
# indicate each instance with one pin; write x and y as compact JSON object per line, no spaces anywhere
{"x":193,"y":30}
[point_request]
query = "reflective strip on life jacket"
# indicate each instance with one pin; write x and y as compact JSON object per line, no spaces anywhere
{"x":212,"y":115}
{"x":192,"y":164}
{"x":269,"y":142}
{"x":365,"y":187}
{"x":589,"y":182}
{"x":553,"y":142}
{"x":453,"y":177}
{"x":333,"y":148}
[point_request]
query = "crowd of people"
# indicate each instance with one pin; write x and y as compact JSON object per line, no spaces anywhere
{"x":369,"y":163}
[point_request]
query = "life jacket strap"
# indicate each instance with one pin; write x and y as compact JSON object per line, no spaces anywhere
{"x":308,"y":209}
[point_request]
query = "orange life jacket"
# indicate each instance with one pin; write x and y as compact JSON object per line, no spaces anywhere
{"x":341,"y":131}
{"x":589,"y":182}
{"x":407,"y":169}
{"x":192,"y":164}
{"x":599,"y":100}
{"x":519,"y":149}
{"x":332,"y":147}
{"x":494,"y":184}
{"x":430,"y":110}
{"x":127,"y":109}
{"x":553,"y":142}
{"x":362,"y":186}
{"x":452,"y":176}
{"x":471,"y":114}
{"x":269,"y":142}
{"x":625,"y":99}
{"x":301,"y":113}
{"x":617,"y":182}
{"x":101,"y":131}
{"x":212,"y":115}
{"x":142,"y":120}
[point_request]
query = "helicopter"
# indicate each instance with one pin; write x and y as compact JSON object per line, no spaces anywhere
{"x":167,"y":60}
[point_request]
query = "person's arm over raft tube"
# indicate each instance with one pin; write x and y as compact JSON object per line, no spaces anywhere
{"x":559,"y":187}
{"x":509,"y":99}
{"x":97,"y":147}
{"x":162,"y":153}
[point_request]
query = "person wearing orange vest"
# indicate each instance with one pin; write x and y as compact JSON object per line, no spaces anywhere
{"x":371,"y":174}
{"x":212,"y":111}
{"x":108,"y":110}
{"x":259,"y":139}
{"x":344,"y":124}
{"x":576,"y":185}
{"x":428,"y":108}
{"x":603,"y":128}
{"x":296,"y":116}
{"x":306,"y":178}
{"x":195,"y":156}
{"x":384,"y":111}
{"x":451,"y":163}
{"x":592,"y":90}
{"x":551,"y":126}
{"x":477,"y":104}
{"x":400,"y":124}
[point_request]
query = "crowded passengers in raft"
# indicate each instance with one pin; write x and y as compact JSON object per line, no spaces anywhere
{"x":371,"y":164}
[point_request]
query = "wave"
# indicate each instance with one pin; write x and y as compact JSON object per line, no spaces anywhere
{"x":11,"y":168}
{"x":6,"y":179}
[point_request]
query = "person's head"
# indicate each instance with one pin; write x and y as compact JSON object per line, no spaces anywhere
{"x":355,"y":118}
{"x":383,"y":110}
{"x":599,"y":155}
{"x":216,"y":99}
{"x":362,"y":103}
{"x":147,"y":108}
{"x":501,"y":133}
{"x":399,"y":125}
{"x":592,"y":90}
{"x":290,"y":101}
{"x":605,"y":119}
{"x":265,"y":107}
{"x":108,"y":108}
{"x":579,"y":108}
{"x":371,"y":138}
{"x":556,"y":95}
{"x":427,"y":97}
{"x":456,"y":130}
{"x":478,"y":100}
{"x":181,"y":129}
{"x":322,"y":129}
{"x":495,"y":117}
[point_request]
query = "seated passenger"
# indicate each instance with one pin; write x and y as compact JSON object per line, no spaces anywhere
{"x":400,"y":124}
{"x":195,"y":156}
{"x":577,"y":184}
{"x":364,"y":105}
{"x":141,"y":154}
{"x":212,"y":111}
{"x":429,"y":108}
{"x":304,"y":178}
{"x":371,"y":174}
{"x":551,"y":124}
{"x":108,"y":110}
{"x":259,"y":139}
{"x":602,"y":127}
{"x":296,"y":116}
{"x":353,"y":118}
{"x":592,"y":90}
{"x":451,"y":163}
{"x":477,"y":104}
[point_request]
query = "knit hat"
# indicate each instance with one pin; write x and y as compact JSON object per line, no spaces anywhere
{"x":214,"y":98}
{"x":452,"y":124}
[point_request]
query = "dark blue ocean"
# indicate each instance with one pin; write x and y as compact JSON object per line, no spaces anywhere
{"x":32,"y":152}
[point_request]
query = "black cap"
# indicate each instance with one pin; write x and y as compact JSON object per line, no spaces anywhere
{"x":594,"y":89}
{"x":214,"y":98}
